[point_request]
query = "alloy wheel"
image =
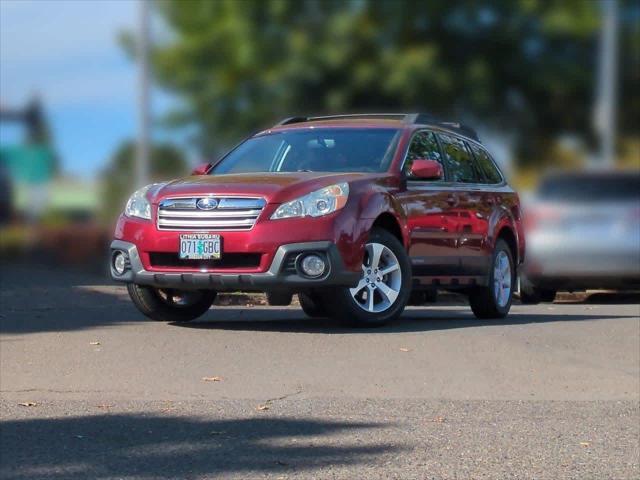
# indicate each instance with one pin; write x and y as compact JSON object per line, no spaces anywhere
{"x":502,"y":279}
{"x":381,"y":280}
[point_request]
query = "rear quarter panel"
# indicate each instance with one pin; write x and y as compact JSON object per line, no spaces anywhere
{"x":507,"y":213}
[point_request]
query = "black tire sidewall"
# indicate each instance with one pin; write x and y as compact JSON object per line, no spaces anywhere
{"x":531,"y":294}
{"x":312,"y":304}
{"x":546,"y":295}
{"x":528,"y":294}
{"x":147,"y":300}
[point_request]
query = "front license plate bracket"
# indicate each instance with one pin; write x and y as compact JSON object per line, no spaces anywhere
{"x":200,"y":246}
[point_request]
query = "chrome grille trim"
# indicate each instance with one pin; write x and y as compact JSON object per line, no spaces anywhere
{"x":210,"y":213}
{"x":231,"y":214}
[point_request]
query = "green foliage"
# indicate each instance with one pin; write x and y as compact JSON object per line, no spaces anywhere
{"x":167,"y":162}
{"x":241,"y":64}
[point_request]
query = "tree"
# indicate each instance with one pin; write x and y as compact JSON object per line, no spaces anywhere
{"x":241,"y":64}
{"x":167,"y":162}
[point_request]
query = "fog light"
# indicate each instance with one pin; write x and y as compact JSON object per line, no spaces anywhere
{"x":119,"y":263}
{"x":313,"y":265}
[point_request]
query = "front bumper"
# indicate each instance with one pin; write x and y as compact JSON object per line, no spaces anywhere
{"x":279,"y":276}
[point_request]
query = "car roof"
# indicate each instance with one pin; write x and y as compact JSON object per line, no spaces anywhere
{"x":406,"y":121}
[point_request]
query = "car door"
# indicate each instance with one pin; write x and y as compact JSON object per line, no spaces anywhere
{"x":492,"y":190}
{"x":427,"y":206}
{"x":471,"y":205}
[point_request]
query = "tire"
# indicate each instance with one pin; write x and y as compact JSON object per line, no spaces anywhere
{"x":547,"y":296}
{"x":537,"y":295}
{"x":356,"y":309}
{"x":279,"y":299}
{"x":431,"y":296}
{"x":162,"y":306}
{"x":485,"y":301}
{"x":312,"y":304}
{"x":530,"y":295}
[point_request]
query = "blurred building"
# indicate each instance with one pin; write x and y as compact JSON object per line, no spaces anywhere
{"x":31,"y":184}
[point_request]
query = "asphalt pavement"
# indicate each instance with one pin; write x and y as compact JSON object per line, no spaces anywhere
{"x":90,"y":389}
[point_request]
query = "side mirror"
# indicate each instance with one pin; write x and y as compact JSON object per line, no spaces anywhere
{"x":201,"y":169}
{"x":426,"y":169}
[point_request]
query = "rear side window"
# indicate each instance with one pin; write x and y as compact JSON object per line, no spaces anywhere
{"x":423,"y":146}
{"x":458,"y":160}
{"x":486,"y":165}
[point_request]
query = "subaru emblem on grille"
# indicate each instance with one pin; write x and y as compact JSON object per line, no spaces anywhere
{"x":207,"y":203}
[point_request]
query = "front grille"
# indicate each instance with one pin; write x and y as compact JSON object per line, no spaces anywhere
{"x":228,"y":261}
{"x":230,"y":213}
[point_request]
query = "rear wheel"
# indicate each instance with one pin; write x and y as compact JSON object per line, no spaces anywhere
{"x":530,"y":295}
{"x":170,"y":305}
{"x":494,"y":300}
{"x":547,"y":295}
{"x":383,"y":290}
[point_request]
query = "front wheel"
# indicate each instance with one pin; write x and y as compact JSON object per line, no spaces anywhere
{"x":170,"y":305}
{"x":383,"y":290}
{"x":494,"y":300}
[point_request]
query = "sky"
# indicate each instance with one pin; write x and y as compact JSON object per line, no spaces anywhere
{"x":66,"y":51}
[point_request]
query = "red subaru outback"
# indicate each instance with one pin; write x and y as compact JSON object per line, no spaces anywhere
{"x":352,"y":212}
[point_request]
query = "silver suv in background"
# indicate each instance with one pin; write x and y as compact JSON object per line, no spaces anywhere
{"x":583,"y":232}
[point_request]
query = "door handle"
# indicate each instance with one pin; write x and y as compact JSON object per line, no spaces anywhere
{"x":452,"y":200}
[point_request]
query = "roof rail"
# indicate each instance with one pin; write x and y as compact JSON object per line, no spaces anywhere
{"x":290,"y":120}
{"x":429,"y":119}
{"x":408,"y":118}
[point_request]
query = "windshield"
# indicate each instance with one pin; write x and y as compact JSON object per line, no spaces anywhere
{"x":591,"y":188}
{"x":317,"y":150}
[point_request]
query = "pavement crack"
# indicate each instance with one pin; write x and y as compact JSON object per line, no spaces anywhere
{"x":270,"y":401}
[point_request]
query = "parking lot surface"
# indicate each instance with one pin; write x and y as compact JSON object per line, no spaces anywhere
{"x":90,"y":389}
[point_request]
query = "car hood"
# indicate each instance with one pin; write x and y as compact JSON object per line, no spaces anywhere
{"x":274,"y":187}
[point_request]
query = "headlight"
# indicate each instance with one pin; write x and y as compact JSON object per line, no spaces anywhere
{"x":315,"y":204}
{"x":138,"y":205}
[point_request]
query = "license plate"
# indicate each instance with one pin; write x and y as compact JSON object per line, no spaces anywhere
{"x":199,"y":246}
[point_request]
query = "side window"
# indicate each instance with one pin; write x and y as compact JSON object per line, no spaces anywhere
{"x":423,"y":145}
{"x":458,"y":160}
{"x":486,"y":165}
